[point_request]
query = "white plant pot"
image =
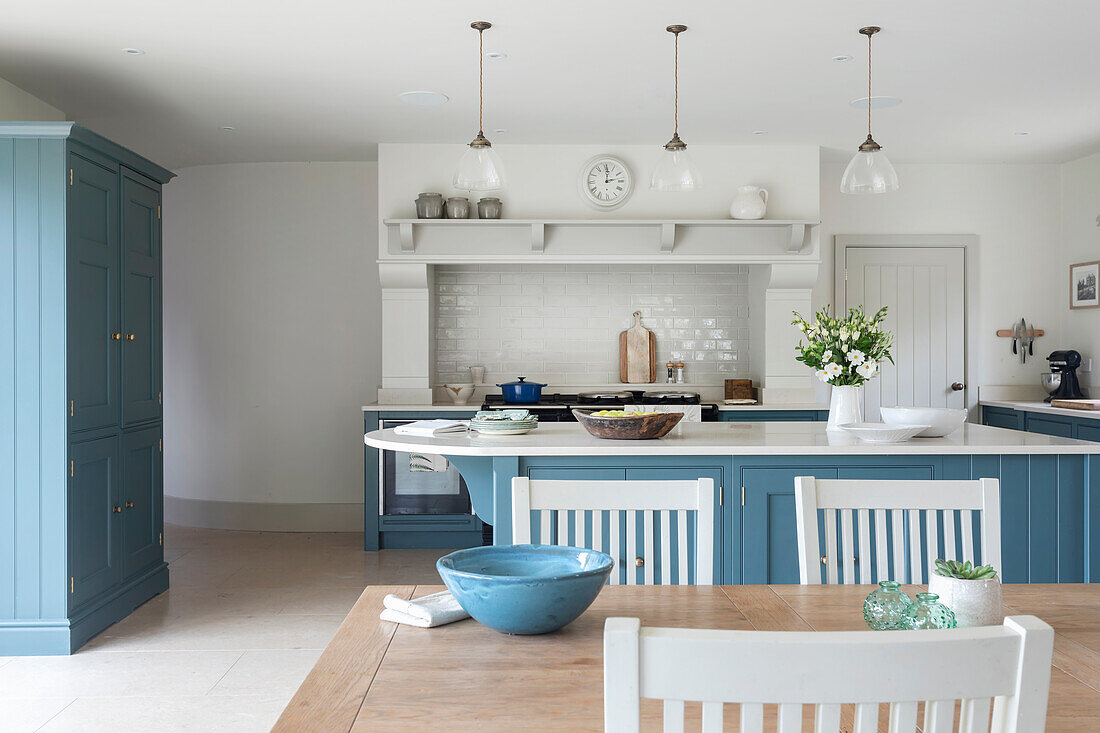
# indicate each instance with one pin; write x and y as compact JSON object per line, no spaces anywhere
{"x":845,"y":406}
{"x":975,"y":602}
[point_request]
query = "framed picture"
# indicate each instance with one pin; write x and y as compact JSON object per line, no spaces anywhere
{"x":1083,"y":285}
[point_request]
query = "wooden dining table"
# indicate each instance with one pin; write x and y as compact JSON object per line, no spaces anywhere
{"x":380,"y":676}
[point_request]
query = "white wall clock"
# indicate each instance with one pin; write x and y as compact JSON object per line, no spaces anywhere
{"x":605,"y":182}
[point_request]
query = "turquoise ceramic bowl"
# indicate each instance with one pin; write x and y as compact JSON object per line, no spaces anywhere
{"x":525,"y":589}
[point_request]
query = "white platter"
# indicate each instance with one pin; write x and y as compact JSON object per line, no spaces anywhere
{"x":877,"y":432}
{"x":941,"y":420}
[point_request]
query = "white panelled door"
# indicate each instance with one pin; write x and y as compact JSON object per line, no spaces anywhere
{"x":923,"y":290}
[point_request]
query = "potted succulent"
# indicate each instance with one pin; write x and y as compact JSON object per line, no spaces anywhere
{"x":973,"y":593}
{"x":845,"y":353}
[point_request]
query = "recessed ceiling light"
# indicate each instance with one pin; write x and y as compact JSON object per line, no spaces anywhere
{"x":876,"y":102}
{"x":495,"y":55}
{"x":1022,"y":133}
{"x":500,"y":131}
{"x":423,"y":99}
{"x":133,"y":52}
{"x":842,"y":58}
{"x":227,"y":128}
{"x":759,"y":132}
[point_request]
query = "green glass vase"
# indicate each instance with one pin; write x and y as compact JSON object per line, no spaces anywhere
{"x":929,"y":613}
{"x":885,"y":608}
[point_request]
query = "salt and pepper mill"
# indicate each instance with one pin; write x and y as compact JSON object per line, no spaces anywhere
{"x":679,"y":372}
{"x":671,"y":367}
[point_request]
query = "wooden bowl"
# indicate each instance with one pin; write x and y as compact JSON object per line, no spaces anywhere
{"x":641,"y":427}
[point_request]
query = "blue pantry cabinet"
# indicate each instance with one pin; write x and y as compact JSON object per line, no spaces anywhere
{"x":81,"y":510}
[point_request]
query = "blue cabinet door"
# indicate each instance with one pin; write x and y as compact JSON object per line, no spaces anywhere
{"x":94,"y":333}
{"x":1000,"y":417}
{"x":1048,"y":425}
{"x":142,"y":495}
{"x":1088,"y":429}
{"x":94,"y":515}
{"x":141,"y":285}
{"x":769,"y":537}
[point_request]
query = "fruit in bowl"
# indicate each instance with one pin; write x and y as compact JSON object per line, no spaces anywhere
{"x":628,"y":426}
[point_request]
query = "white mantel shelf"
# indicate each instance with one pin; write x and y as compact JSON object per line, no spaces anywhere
{"x":796,"y":245}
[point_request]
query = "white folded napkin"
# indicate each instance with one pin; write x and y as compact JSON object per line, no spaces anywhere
{"x":434,"y":610}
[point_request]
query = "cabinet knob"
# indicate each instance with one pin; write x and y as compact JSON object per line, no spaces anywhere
{"x":116,"y":510}
{"x":116,"y":336}
{"x":129,"y":505}
{"x":130,"y":337}
{"x":639,"y":562}
{"x":957,"y":386}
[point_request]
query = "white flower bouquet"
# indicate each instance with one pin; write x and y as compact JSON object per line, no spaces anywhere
{"x":844,"y":351}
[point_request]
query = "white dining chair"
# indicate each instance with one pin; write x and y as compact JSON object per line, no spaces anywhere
{"x":664,"y":508}
{"x":907,"y":503}
{"x":1007,"y":665}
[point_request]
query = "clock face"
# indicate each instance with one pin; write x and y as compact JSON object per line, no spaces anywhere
{"x":605,"y":181}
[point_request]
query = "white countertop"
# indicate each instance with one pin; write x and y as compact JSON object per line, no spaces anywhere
{"x":723,"y":439}
{"x":1042,"y":407}
{"x":474,"y":407}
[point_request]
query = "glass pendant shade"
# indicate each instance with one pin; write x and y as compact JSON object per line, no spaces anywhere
{"x":870,"y":171}
{"x":479,"y":169}
{"x":675,"y":171}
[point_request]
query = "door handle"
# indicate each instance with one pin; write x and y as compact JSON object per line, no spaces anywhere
{"x":957,"y":386}
{"x":130,"y":337}
{"x":129,"y":505}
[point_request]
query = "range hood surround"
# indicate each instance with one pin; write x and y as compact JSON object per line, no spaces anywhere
{"x":406,"y":279}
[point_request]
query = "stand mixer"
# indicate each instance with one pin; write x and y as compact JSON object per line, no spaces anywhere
{"x":1064,"y":364}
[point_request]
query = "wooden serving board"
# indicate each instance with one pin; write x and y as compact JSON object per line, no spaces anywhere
{"x":1076,"y":404}
{"x":637,"y":353}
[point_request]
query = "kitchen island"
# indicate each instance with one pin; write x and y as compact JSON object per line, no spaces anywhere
{"x":1050,"y":486}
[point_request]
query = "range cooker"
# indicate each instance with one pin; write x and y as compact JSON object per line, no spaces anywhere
{"x":558,"y":407}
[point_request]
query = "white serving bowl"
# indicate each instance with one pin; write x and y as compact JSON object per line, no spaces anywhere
{"x":460,"y":393}
{"x":877,"y":432}
{"x":941,"y":421}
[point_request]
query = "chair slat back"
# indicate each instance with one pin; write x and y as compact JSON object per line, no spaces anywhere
{"x":647,"y":527}
{"x":831,"y":677}
{"x":867,"y":531}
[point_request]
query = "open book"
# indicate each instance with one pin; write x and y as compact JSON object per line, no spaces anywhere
{"x":428,"y":428}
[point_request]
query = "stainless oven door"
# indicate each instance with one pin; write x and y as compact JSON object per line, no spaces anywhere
{"x":411,"y":483}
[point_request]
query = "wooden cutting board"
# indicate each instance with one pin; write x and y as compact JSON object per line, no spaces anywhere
{"x":1076,"y":404}
{"x":637,"y":353}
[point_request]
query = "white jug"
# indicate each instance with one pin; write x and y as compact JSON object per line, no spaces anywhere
{"x":750,"y":203}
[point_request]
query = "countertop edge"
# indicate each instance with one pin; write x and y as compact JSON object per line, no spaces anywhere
{"x":787,"y":407}
{"x":1042,"y":407}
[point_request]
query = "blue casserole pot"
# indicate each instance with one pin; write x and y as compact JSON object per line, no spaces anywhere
{"x":521,"y":391}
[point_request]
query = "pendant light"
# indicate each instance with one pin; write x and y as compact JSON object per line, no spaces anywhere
{"x":675,"y":170}
{"x":480,"y":168}
{"x":870,"y":170}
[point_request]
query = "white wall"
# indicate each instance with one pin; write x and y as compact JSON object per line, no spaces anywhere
{"x":271,"y":331}
{"x":17,"y":105}
{"x":1014,"y":210}
{"x":1080,"y":243}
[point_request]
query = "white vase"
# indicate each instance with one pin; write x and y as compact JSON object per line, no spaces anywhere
{"x":750,"y":202}
{"x":845,"y":406}
{"x":975,"y":602}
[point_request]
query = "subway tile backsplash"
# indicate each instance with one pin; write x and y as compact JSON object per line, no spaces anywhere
{"x":560,"y":323}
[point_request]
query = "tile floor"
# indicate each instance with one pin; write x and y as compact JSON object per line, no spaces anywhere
{"x":246,"y":616}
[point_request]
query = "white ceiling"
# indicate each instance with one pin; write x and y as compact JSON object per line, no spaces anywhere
{"x":319,"y":80}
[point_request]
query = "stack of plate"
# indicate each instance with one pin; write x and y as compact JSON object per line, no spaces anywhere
{"x":503,"y":422}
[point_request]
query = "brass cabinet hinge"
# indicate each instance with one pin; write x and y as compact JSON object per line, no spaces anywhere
{"x":72,"y":584}
{"x":158,"y":211}
{"x":721,"y":498}
{"x":160,"y":444}
{"x":70,"y":176}
{"x":845,"y":274}
{"x":72,"y":468}
{"x":742,"y":496}
{"x":160,"y":538}
{"x":72,"y":407}
{"x":160,"y":398}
